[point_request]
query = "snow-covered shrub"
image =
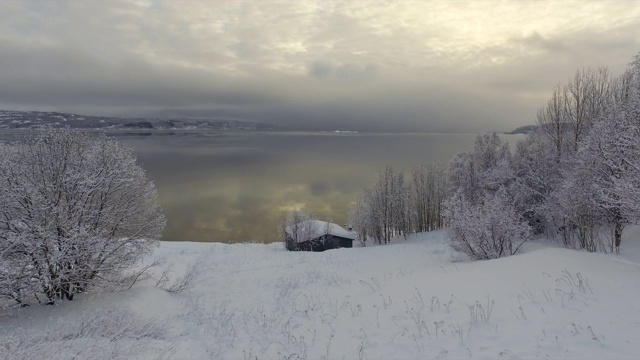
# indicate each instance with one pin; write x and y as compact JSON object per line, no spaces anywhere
{"x":488,"y":230}
{"x":179,"y":284}
{"x":76,"y":210}
{"x":480,"y":215}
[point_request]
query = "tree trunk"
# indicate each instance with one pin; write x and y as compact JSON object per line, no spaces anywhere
{"x":617,"y":234}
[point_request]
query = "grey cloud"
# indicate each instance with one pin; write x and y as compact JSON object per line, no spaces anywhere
{"x":538,"y":41}
{"x":304,"y":65}
{"x":71,"y":78}
{"x":245,"y":50}
{"x":323,"y":69}
{"x":320,"y":69}
{"x":319,"y":188}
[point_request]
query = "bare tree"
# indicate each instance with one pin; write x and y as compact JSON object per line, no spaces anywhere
{"x":586,"y":97}
{"x":383,"y":195}
{"x":383,"y":210}
{"x":573,"y":108}
{"x":361,"y":218}
{"x":298,"y":227}
{"x":75,"y":211}
{"x":390,"y":204}
{"x":553,"y":122}
{"x":401,"y":220}
{"x":427,"y":193}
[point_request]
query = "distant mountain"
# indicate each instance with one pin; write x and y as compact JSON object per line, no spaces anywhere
{"x":527,"y":129}
{"x":41,"y":120}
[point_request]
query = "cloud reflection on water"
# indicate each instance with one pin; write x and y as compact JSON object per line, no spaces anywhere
{"x":236,"y":187}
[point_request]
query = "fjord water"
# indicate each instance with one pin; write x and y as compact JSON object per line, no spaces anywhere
{"x":236,"y":187}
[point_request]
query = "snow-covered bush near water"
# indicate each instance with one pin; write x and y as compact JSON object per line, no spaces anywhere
{"x":76,"y":210}
{"x":480,"y":215}
{"x":488,"y":230}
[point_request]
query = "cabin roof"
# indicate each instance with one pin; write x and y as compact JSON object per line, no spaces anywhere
{"x":317,"y":228}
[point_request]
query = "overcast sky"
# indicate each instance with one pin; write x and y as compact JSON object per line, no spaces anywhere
{"x":362,"y":65}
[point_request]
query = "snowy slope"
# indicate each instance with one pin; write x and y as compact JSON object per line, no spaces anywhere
{"x":407,"y":300}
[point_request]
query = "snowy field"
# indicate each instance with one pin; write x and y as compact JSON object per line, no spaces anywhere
{"x":408,"y":300}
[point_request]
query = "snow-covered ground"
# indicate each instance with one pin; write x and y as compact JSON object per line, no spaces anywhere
{"x":407,"y":300}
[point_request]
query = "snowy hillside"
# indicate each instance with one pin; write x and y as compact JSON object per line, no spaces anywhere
{"x":407,"y":300}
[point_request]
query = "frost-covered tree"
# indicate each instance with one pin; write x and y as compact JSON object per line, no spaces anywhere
{"x":571,"y":212}
{"x":536,"y":174}
{"x":575,"y":178}
{"x":589,"y":196}
{"x":75,"y":211}
{"x":462,"y":176}
{"x":609,"y":160}
{"x":480,"y":216}
{"x":552,"y":189}
{"x":486,"y":168}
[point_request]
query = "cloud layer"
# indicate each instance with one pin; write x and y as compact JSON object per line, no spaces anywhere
{"x":366,"y":65}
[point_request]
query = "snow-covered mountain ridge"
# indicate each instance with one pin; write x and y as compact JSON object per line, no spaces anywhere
{"x":38,"y":120}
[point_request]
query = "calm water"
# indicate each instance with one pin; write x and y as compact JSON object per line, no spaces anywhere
{"x":234,"y":187}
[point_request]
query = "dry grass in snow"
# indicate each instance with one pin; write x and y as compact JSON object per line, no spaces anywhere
{"x":407,"y":300}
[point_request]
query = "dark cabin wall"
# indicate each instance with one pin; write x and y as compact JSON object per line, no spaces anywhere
{"x":320,"y":244}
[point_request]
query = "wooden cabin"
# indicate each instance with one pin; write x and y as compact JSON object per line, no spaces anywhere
{"x":316,"y":235}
